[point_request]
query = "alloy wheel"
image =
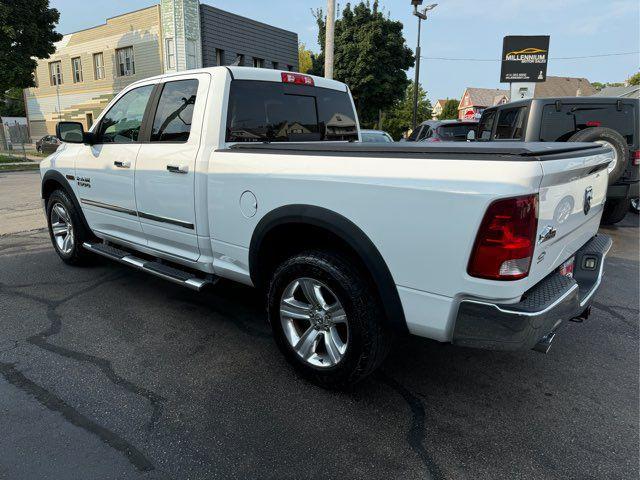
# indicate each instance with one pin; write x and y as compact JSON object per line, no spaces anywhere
{"x":62,"y":228}
{"x":314,"y":322}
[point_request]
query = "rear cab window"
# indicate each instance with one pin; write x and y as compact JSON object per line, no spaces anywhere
{"x":485,"y":127}
{"x":455,"y":131}
{"x":559,"y":124}
{"x":262,"y":111}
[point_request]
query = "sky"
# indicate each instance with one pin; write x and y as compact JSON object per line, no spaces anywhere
{"x":468,"y":29}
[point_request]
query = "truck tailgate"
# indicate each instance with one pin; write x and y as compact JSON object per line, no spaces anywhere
{"x":572,"y":195}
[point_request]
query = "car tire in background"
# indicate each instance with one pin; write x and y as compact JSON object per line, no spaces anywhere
{"x":614,"y":210}
{"x":609,"y":138}
{"x":327,"y":319}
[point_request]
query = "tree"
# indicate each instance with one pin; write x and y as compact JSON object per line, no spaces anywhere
{"x":12,"y":103}
{"x":371,"y":56}
{"x":398,"y":119}
{"x":450,"y":110}
{"x":634,"y":79}
{"x":27,"y":32}
{"x":305,"y":61}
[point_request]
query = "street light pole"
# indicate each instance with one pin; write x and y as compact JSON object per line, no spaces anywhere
{"x":422,"y":15}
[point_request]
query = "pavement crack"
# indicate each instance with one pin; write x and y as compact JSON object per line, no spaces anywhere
{"x":41,"y":340}
{"x":611,"y":311}
{"x":415,"y":434}
{"x":55,"y":404}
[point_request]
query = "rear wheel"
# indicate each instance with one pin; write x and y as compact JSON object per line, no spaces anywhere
{"x":326,"y":319}
{"x":614,"y":210}
{"x":66,"y":229}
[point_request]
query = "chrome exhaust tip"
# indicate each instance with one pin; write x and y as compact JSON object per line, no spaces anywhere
{"x":544,"y":344}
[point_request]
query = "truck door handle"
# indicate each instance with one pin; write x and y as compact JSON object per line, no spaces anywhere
{"x":120,"y":164}
{"x":178,"y":168}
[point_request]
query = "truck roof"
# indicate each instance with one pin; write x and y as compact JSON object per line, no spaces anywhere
{"x":251,"y":73}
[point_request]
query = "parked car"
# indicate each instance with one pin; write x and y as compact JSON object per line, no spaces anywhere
{"x":442,"y":131}
{"x":233,"y":172}
{"x":614,"y":122}
{"x":48,"y":144}
{"x":375,"y":136}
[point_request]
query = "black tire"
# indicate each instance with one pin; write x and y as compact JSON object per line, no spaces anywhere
{"x":77,"y":254}
{"x":614,"y":210}
{"x":613,"y":138}
{"x":368,"y":339}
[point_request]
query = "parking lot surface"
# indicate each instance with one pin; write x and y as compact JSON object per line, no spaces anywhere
{"x":108,"y":373}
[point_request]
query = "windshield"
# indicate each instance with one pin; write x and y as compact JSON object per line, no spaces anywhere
{"x":455,"y":131}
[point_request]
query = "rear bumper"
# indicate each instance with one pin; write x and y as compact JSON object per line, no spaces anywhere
{"x":541,"y":311}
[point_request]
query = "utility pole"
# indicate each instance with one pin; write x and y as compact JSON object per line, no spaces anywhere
{"x":329,"y":39}
{"x":422,"y":15}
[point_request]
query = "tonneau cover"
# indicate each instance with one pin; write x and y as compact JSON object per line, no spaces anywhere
{"x":524,"y":150}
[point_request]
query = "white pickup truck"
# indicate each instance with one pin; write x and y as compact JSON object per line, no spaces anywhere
{"x":258,"y":176}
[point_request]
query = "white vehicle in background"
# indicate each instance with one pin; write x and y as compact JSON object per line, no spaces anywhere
{"x":258,"y":176}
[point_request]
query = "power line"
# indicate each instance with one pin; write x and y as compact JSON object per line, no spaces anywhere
{"x":551,"y":58}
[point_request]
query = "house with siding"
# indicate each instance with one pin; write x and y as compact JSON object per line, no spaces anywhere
{"x":91,"y":66}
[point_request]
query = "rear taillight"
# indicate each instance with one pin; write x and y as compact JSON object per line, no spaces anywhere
{"x":297,"y":79}
{"x":506,"y":239}
{"x":636,"y":158}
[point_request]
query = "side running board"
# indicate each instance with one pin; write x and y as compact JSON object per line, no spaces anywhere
{"x":175,"y":275}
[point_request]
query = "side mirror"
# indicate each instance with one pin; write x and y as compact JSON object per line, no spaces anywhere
{"x":72,"y":132}
{"x":471,"y":135}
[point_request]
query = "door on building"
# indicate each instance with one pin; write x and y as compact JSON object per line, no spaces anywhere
{"x":89,"y":120}
{"x":105,"y":170}
{"x":165,"y":169}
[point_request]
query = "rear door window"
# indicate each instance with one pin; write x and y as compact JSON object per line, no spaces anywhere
{"x":511,"y":123}
{"x":559,"y":125}
{"x":278,"y":112}
{"x":414,"y":134}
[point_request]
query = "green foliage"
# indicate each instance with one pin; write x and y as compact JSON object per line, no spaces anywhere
{"x":599,"y":85}
{"x":371,"y":56}
{"x":634,"y":79}
{"x":399,"y":118}
{"x":12,"y":103}
{"x":449,"y":110}
{"x":27,"y":31}
{"x":305,"y":61}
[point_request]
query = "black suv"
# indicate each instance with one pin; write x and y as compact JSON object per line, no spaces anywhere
{"x":610,"y":121}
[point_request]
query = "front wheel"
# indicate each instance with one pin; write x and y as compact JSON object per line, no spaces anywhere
{"x":66,"y":229}
{"x":327,"y":319}
{"x":614,"y":210}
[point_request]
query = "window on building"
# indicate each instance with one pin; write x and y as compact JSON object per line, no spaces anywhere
{"x":276,"y":112}
{"x":240,"y":59}
{"x":276,"y":65}
{"x":170,"y":53}
{"x":219,"y":57}
{"x":55,"y":73}
{"x":98,"y":66}
{"x":121,"y":124}
{"x":76,"y":67}
{"x":175,"y":111}
{"x":290,"y":68}
{"x":35,"y":79}
{"x":258,"y":63}
{"x":191,"y":54}
{"x":126,"y":63}
{"x":89,"y":117}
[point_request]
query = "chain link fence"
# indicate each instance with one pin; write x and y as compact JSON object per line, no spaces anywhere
{"x":15,"y":144}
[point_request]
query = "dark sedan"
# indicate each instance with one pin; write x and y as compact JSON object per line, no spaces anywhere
{"x":48,"y":144}
{"x":442,"y":131}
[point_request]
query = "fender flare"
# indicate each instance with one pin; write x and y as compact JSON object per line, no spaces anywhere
{"x":348,"y":232}
{"x":64,"y":183}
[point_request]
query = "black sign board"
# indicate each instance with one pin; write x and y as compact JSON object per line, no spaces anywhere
{"x":524,"y":59}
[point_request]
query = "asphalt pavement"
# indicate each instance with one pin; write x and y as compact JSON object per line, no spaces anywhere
{"x":107,"y":373}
